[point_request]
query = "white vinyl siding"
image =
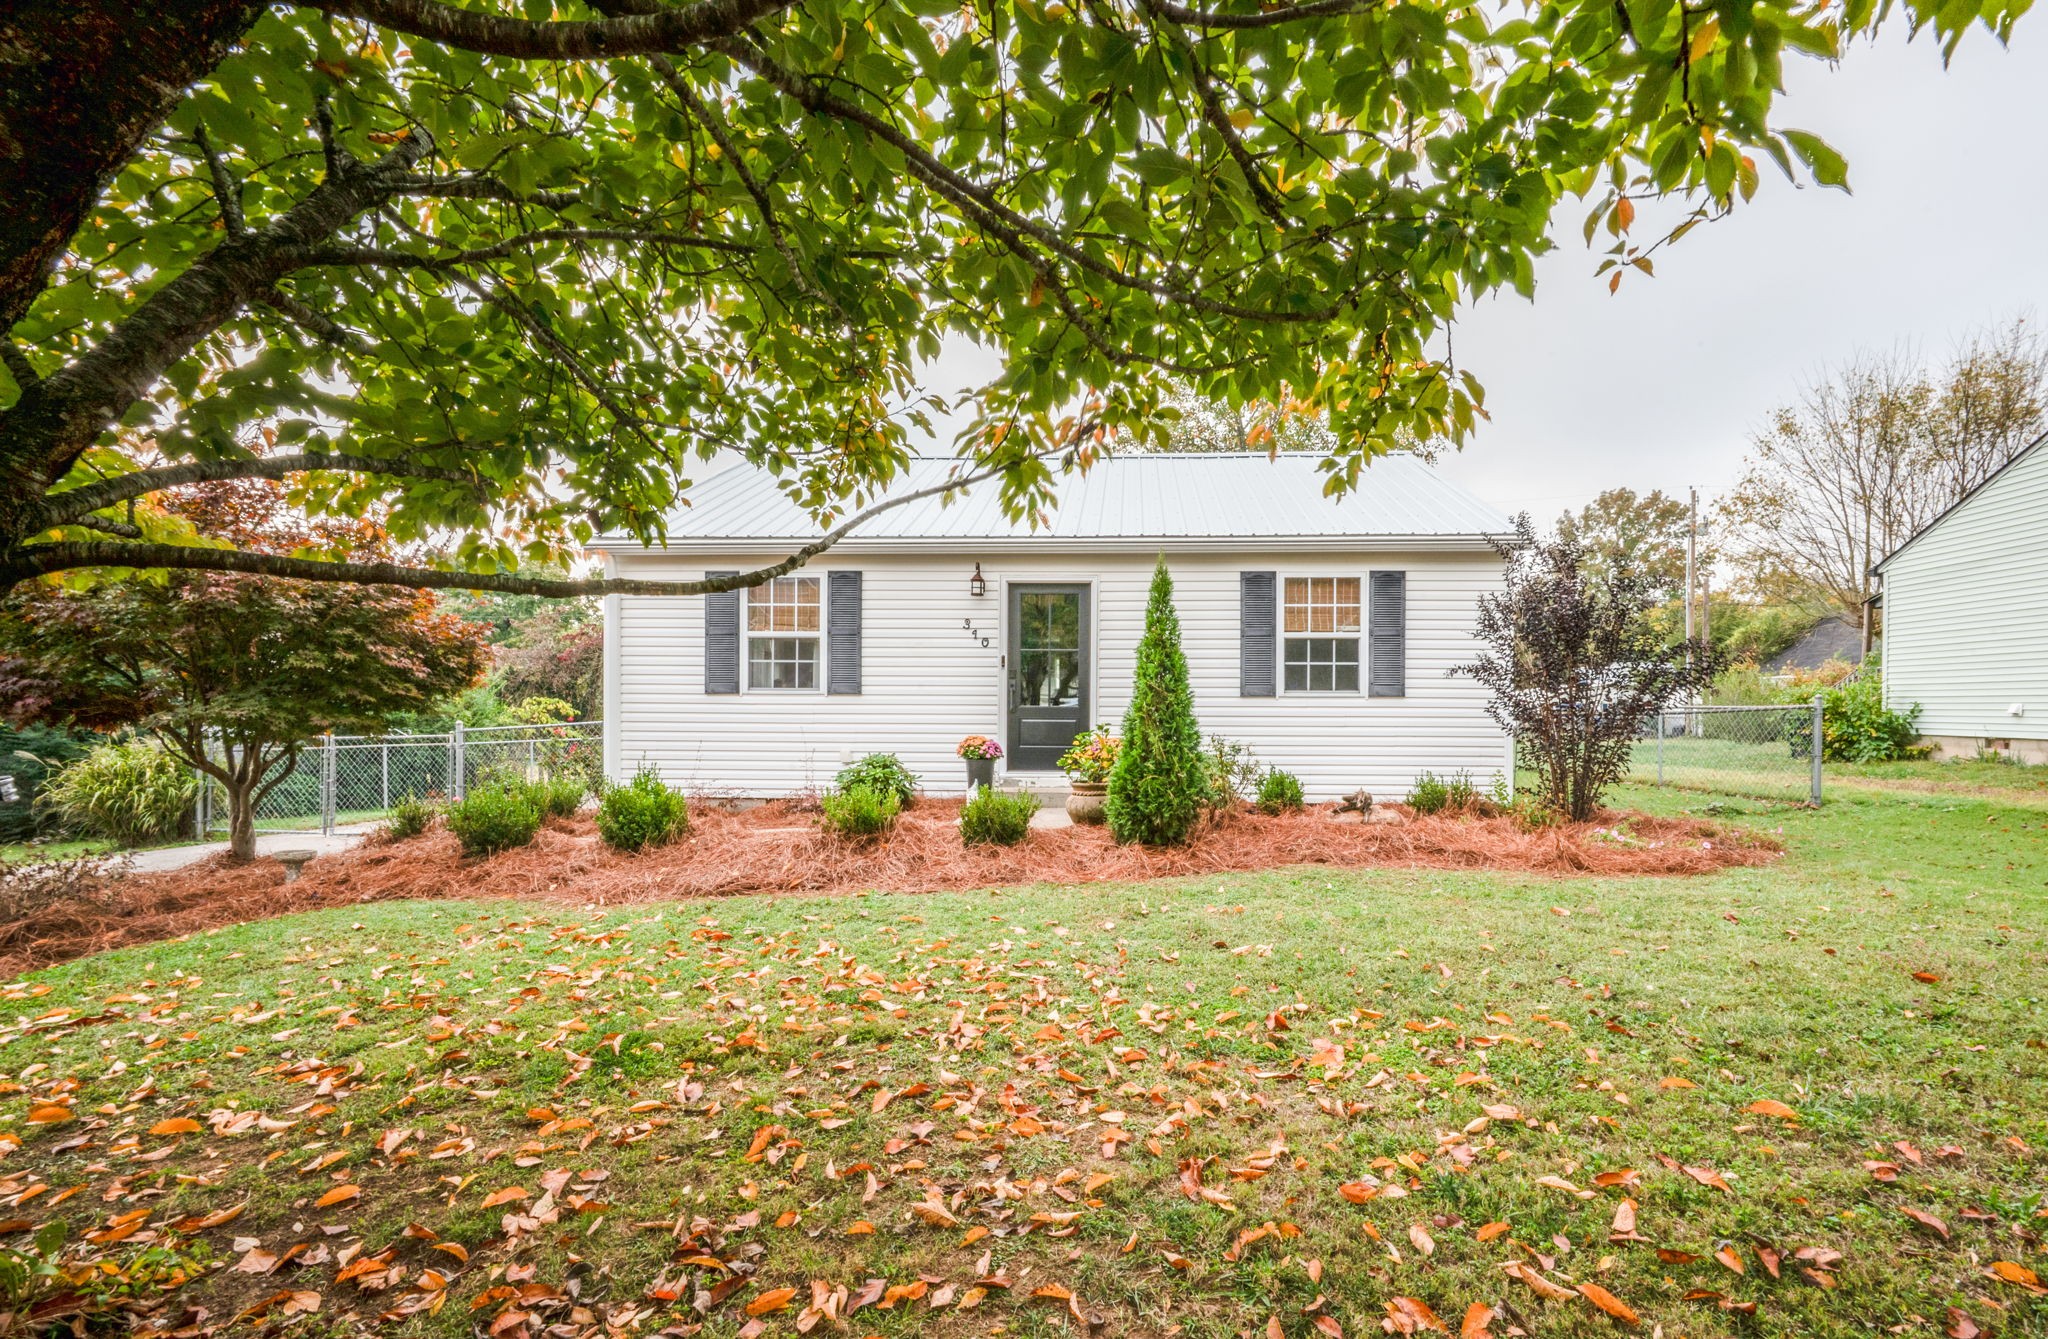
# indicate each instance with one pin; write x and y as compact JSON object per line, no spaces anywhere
{"x":932,"y":672}
{"x":1966,"y":613}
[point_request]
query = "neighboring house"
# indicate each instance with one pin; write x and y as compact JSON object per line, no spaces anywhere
{"x":1966,"y":617}
{"x":1317,"y":630}
{"x":1833,"y":638}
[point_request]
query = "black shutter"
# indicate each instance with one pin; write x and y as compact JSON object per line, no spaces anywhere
{"x":842,"y":632}
{"x":722,"y":638}
{"x":1388,"y":634}
{"x":1257,"y":625}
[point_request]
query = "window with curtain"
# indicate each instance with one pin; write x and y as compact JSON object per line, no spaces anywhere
{"x":1320,"y":627}
{"x":784,"y":623}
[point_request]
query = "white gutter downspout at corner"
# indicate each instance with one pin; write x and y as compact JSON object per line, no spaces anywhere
{"x":611,"y":673}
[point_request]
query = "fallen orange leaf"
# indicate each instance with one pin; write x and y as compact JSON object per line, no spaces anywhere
{"x":1609,"y":1303}
{"x":338,"y":1195}
{"x":776,"y":1299}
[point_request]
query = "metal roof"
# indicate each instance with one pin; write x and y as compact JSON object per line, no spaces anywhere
{"x":1191,"y":496}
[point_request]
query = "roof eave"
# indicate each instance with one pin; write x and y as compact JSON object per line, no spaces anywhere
{"x":621,"y":546}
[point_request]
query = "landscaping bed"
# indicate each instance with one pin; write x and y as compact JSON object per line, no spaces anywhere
{"x":779,"y":848}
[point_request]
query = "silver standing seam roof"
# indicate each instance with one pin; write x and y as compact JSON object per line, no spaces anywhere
{"x":1192,"y":496}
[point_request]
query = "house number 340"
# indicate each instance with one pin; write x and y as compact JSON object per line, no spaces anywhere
{"x":974,"y":632}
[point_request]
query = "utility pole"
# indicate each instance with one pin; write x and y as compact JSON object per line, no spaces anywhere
{"x":1692,"y":545}
{"x":1692,"y":541}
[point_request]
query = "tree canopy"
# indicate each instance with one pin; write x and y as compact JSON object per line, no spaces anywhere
{"x":512,"y":272}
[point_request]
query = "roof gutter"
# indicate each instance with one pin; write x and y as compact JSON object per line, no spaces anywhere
{"x":623,"y":548}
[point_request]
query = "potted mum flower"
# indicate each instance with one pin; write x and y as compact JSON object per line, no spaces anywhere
{"x":1087,"y":766}
{"x":981,"y":753}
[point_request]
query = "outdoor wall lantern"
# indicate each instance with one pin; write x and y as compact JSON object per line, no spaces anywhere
{"x":977,"y":585}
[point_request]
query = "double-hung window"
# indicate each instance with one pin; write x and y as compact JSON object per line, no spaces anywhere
{"x":1320,"y":626}
{"x":784,"y":626}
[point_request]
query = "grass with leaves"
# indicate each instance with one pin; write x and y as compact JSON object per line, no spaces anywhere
{"x":1810,"y":1098}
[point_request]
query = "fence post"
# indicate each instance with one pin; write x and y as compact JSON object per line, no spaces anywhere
{"x":1660,"y":746}
{"x":1815,"y":749}
{"x":327,"y":775}
{"x":384,"y":776}
{"x":199,"y":802}
{"x":459,"y":765}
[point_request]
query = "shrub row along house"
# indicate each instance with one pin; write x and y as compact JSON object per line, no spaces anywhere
{"x":1318,"y":631}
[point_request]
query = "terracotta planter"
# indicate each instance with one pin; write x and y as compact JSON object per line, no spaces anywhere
{"x":1084,"y":801}
{"x":980,"y":772}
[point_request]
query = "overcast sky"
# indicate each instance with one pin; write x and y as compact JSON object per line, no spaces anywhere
{"x":1946,"y":228}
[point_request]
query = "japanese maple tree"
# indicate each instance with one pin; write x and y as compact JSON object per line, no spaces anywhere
{"x":233,"y":674}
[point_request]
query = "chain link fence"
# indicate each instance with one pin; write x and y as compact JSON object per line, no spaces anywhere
{"x":1764,"y":751}
{"x":339,"y":782}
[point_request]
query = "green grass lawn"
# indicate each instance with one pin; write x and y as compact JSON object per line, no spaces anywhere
{"x":1189,"y":1106}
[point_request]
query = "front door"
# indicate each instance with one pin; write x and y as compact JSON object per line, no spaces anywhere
{"x":1048,"y":678}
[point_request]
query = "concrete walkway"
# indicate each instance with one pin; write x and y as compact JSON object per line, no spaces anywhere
{"x":166,"y":858}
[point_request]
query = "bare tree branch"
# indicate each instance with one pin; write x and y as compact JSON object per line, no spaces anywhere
{"x":664,"y":30}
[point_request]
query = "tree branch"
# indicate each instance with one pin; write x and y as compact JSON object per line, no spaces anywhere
{"x":71,"y":506}
{"x":982,"y":203}
{"x":667,"y":30}
{"x":486,"y":188}
{"x":57,"y":418}
{"x":317,"y":324}
{"x":511,"y":246}
{"x":226,"y":192}
{"x":1271,"y":18}
{"x":1219,"y":120}
{"x":34,"y":560}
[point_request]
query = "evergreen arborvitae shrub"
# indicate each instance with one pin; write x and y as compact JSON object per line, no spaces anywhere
{"x":1161,"y":781}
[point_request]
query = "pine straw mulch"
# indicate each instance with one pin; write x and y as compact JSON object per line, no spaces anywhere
{"x":777,"y":848}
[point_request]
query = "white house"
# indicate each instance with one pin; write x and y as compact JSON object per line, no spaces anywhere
{"x":1966,"y":617}
{"x":1317,"y":630}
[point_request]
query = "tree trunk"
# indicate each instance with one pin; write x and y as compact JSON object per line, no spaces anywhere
{"x":241,"y":822}
{"x":87,"y":81}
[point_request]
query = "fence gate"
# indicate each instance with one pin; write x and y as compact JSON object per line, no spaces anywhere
{"x":1765,"y":751}
{"x":341,"y":782}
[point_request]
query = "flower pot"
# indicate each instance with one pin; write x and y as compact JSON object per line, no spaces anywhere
{"x":980,"y":772}
{"x":1084,"y":801}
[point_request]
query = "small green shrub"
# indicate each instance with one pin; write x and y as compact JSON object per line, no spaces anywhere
{"x":859,"y":813}
{"x":562,"y":796}
{"x":1234,"y":772}
{"x":642,"y":813}
{"x":494,"y":818}
{"x":1279,"y":792}
{"x":882,"y":773}
{"x":132,"y":793}
{"x":409,"y":818}
{"x":1453,"y":794}
{"x":1857,"y":727}
{"x":997,"y":817}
